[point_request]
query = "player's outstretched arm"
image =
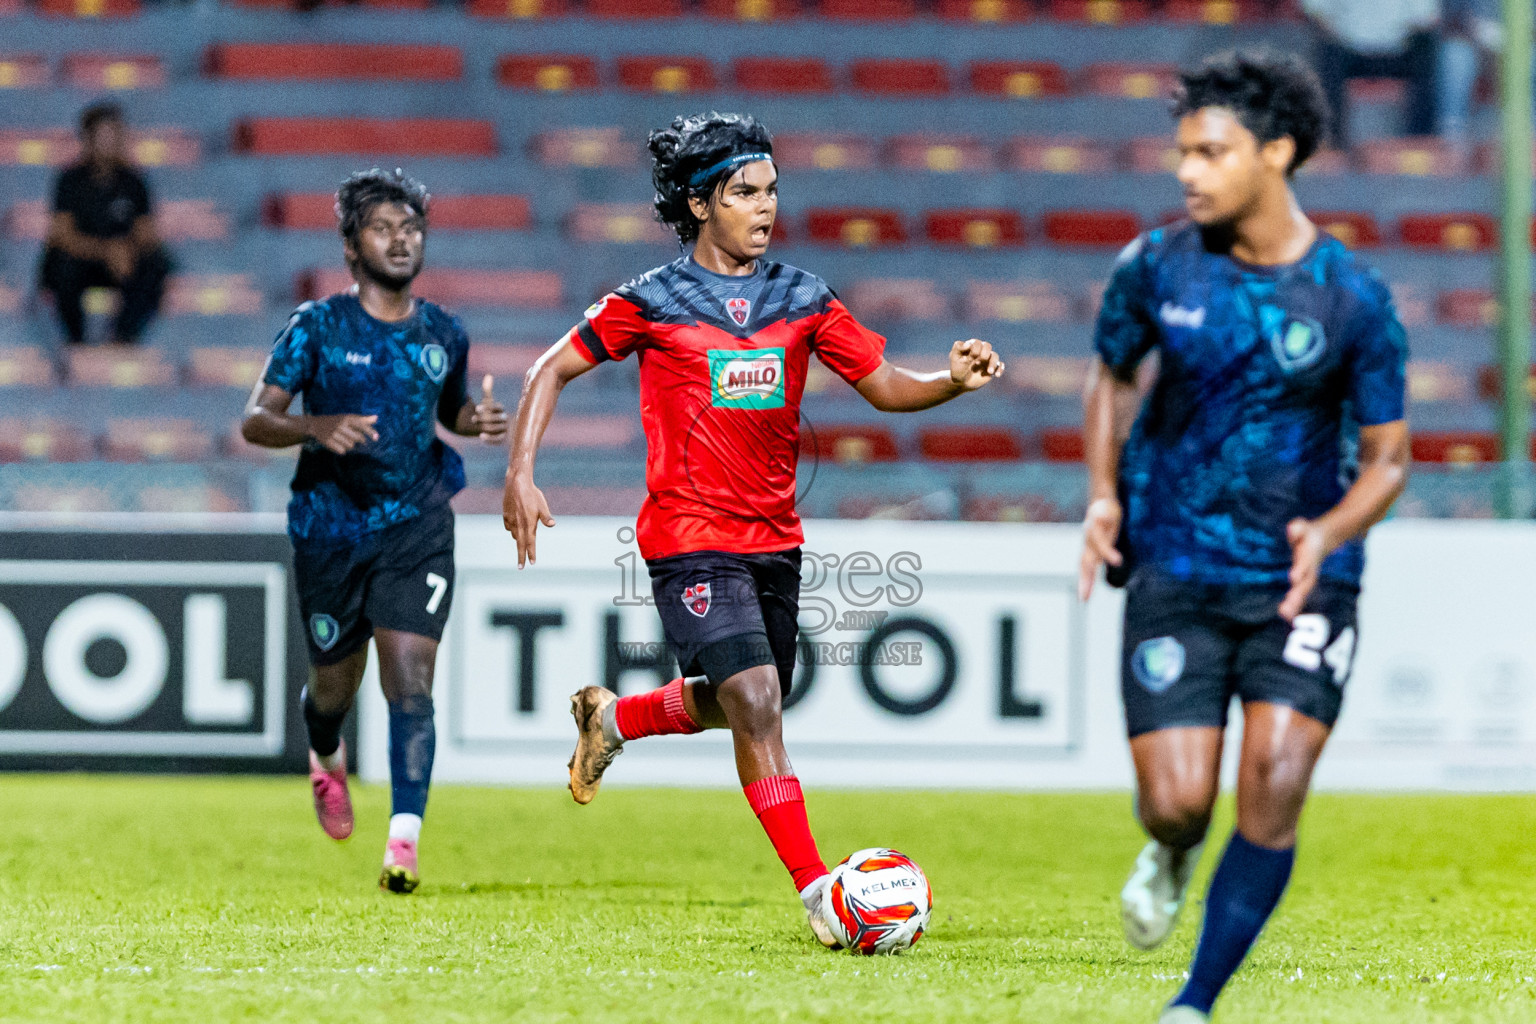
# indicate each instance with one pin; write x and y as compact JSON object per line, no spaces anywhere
{"x":1384,"y":453}
{"x":892,"y":388}
{"x":1107,"y":401}
{"x":268,"y":423}
{"x":485,"y":419}
{"x":523,"y":506}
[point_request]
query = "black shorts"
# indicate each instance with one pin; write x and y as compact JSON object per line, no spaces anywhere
{"x":399,"y":578}
{"x":724,"y":613}
{"x":1189,"y":648}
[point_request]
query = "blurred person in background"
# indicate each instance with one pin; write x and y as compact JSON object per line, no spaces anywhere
{"x":1377,"y":39}
{"x":102,"y":234}
{"x":1472,"y":29}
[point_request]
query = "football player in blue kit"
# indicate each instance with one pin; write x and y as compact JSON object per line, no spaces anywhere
{"x":370,"y":522}
{"x":1235,"y":515}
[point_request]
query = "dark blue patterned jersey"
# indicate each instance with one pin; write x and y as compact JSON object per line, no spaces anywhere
{"x":1265,"y":375}
{"x":411,"y":374}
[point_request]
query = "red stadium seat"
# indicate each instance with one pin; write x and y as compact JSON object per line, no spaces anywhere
{"x":897,"y":298}
{"x":1467,"y":307}
{"x":316,"y":211}
{"x":24,"y":366}
{"x":570,"y":431}
{"x":519,"y":10}
{"x":10,"y":7}
{"x":87,"y":8}
{"x":1456,"y":447}
{"x":984,"y":11}
{"x":666,"y":74}
{"x":1213,"y":12}
{"x":1356,"y":230}
{"x":323,"y":61}
{"x":213,"y":295}
{"x":52,"y":147}
{"x":499,"y":289}
{"x":118,"y":367}
{"x":1018,"y":79}
{"x":975,"y":228}
{"x":624,"y":223}
{"x":1415,"y":305}
{"x":298,"y":136}
{"x":1019,"y":302}
{"x":631,"y":9}
{"x":1454,"y":232}
{"x":1012,"y":508}
{"x":1091,"y":227}
{"x":900,"y":77}
{"x":969,"y":444}
{"x":943,"y":154}
{"x":547,"y":72}
{"x":1062,"y":444}
{"x":1048,"y":375}
{"x":825,"y":152}
{"x":213,"y":366}
{"x":27,"y":220}
{"x":868,"y":10}
{"x":585,"y":147}
{"x":849,"y":443}
{"x":1376,"y":90}
{"x":44,"y":440}
{"x":1327,"y":162}
{"x":109,"y":71}
{"x":750,"y":10}
{"x":23,"y":71}
{"x":1490,"y":382}
{"x":792,"y":75}
{"x":1047,"y":155}
{"x":856,"y":227}
{"x":156,"y":440}
{"x":1130,"y":81}
{"x":1152,"y":154}
{"x":1413,"y":157}
{"x":1100,"y":12}
{"x":1433,"y":381}
{"x":502,"y":361}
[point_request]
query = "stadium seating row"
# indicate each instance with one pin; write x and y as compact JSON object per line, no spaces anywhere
{"x":1094,"y":12}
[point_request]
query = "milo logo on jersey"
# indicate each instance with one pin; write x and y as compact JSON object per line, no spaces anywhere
{"x":748,"y":378}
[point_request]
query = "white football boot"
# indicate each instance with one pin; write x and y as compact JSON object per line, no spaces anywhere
{"x":814,"y":896}
{"x":1182,"y":1015}
{"x":1154,"y":894}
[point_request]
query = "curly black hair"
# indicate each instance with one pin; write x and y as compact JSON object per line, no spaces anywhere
{"x":1273,"y":95}
{"x":364,"y":190}
{"x":692,"y":157}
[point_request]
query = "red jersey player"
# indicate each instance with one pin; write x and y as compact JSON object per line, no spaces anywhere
{"x":724,"y":338}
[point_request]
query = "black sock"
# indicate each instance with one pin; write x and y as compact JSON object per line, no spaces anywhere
{"x":324,"y":730}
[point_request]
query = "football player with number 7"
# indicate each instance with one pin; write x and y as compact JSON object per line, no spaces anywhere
{"x":1273,"y":440}
{"x":370,"y":522}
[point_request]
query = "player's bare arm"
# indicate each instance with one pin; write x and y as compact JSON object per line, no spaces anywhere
{"x":1384,"y":454}
{"x":892,"y":388}
{"x":1107,"y":401}
{"x":523,"y":506}
{"x":268,"y":423}
{"x":486,"y":419}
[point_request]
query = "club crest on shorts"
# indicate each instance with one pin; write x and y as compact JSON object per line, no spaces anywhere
{"x":696,"y":599}
{"x":740,"y":310}
{"x":325,"y":631}
{"x":1159,"y":663}
{"x":434,"y":359}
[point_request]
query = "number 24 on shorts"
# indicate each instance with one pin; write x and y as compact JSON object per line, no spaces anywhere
{"x":1305,"y":647}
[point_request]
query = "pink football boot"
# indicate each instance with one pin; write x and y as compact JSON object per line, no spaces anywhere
{"x":399,"y":874}
{"x":333,"y":806}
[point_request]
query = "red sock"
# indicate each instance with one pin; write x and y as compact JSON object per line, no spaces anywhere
{"x":658,"y":713}
{"x":780,"y":806}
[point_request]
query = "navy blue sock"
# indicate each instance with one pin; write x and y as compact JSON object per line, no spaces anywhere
{"x":324,"y":730}
{"x":412,"y":743}
{"x":1244,"y":891}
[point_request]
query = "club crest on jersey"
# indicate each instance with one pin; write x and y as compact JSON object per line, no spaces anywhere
{"x":740,"y":310}
{"x":696,"y":599}
{"x":748,"y":378}
{"x":325,"y":631}
{"x":1296,"y":341}
{"x":1158,"y":664}
{"x":434,"y":359}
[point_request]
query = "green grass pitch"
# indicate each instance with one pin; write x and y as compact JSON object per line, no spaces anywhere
{"x":170,"y":900}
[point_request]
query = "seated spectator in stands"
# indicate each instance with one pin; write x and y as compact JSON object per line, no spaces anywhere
{"x":1377,"y":39}
{"x":103,"y":232}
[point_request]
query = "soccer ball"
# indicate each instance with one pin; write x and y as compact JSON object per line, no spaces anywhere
{"x":878,"y":902}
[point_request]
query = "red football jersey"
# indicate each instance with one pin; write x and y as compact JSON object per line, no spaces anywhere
{"x":722,"y":370}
